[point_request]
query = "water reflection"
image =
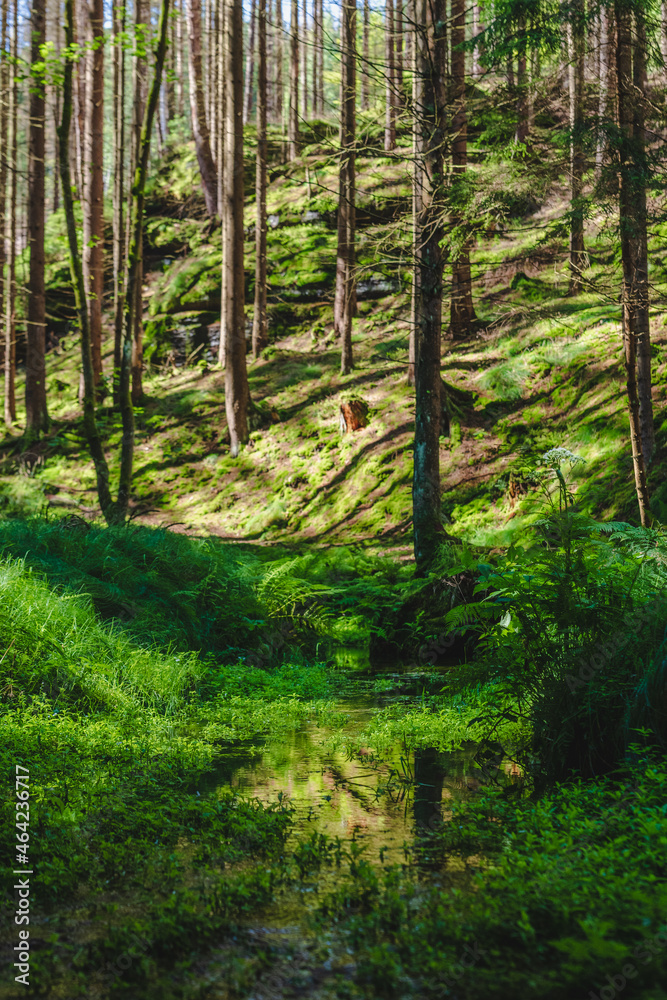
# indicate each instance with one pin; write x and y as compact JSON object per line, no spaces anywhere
{"x":390,"y":806}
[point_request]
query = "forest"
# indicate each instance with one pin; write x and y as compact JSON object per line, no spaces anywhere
{"x":333,"y":566}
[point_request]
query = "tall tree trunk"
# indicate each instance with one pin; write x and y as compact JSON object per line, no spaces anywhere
{"x":249,"y":66}
{"x":93,"y":185}
{"x":640,"y":174}
{"x":178,"y":83}
{"x":398,"y":52}
{"x":522,"y":84}
{"x":80,"y":36}
{"x":279,"y":31}
{"x":78,"y":284}
{"x":259,"y":317}
{"x":390,"y":74}
{"x":198,"y":110}
{"x":133,"y":274}
{"x":316,"y":58}
{"x":533,"y":78}
{"x":366,"y":76}
{"x":293,"y":119}
{"x":663,"y":33}
{"x":220,"y":103}
{"x":170,"y":76}
{"x":56,"y":114}
{"x":603,"y":106}
{"x":462,"y":313}
{"x":431,"y":111}
{"x":118,"y":186}
{"x":576,"y":50}
{"x":4,"y":150}
{"x":212,"y":76}
{"x":304,"y":59}
{"x":142,"y":15}
{"x":236,"y":379}
{"x":476,"y":28}
{"x":10,"y":297}
{"x":320,"y":59}
{"x":37,"y":419}
{"x":631,"y":190}
{"x":222,"y":204}
{"x":345,"y":295}
{"x":417,"y":182}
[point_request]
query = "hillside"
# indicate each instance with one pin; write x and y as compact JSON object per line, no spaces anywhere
{"x":543,"y":369}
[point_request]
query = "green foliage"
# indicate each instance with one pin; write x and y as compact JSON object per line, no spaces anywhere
{"x":506,"y":380}
{"x":161,"y":588}
{"x":570,"y":631}
{"x":562,"y":893}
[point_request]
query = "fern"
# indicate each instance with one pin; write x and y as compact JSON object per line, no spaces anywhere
{"x":464,"y":615}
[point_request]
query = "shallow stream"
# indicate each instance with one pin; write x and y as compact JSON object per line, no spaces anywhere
{"x":386,"y":804}
{"x":378,"y":803}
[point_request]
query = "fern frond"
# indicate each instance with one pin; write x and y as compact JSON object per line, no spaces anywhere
{"x":464,"y":615}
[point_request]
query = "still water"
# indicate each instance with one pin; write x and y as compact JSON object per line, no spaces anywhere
{"x":380,"y":804}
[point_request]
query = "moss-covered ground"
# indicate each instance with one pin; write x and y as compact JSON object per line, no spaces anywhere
{"x":544,"y":369}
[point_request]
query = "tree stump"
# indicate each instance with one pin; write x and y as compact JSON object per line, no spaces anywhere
{"x":353,"y":416}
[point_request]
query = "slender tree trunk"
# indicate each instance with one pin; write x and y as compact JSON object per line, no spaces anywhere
{"x":320,"y":59}
{"x":249,"y":66}
{"x":663,"y":32}
{"x":431,"y":112}
{"x":118,"y":187}
{"x":56,"y":115}
{"x":365,"y":76}
{"x":236,"y":379}
{"x":476,"y":28}
{"x":462,"y":313}
{"x":222,"y":203}
{"x":80,"y":36}
{"x":220,"y":103}
{"x":398,"y":52}
{"x":198,"y":110}
{"x":346,"y":188}
{"x":37,"y":419}
{"x":93,"y":183}
{"x":576,"y":49}
{"x":4,"y":151}
{"x":533,"y":78}
{"x":390,"y":112}
{"x":293,"y":119}
{"x":417,"y":183}
{"x":640,"y":172}
{"x":133,"y":274}
{"x":142,"y":14}
{"x":304,"y":59}
{"x":78,"y":284}
{"x":259,"y":317}
{"x":214,"y":116}
{"x":630,"y":195}
{"x":316,"y":58}
{"x":178,"y":82}
{"x":603,"y":107}
{"x":170,"y":76}
{"x":279,"y":31}
{"x":10,"y":298}
{"x":522,"y":85}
